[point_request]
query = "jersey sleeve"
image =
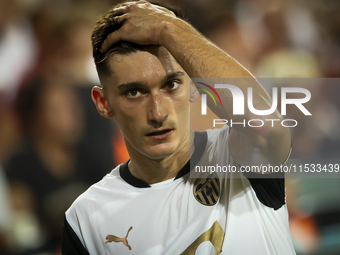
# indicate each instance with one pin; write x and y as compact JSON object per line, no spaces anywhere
{"x":71,"y":244}
{"x":271,"y":189}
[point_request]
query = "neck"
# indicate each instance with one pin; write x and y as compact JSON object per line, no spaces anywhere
{"x":157,"y":170}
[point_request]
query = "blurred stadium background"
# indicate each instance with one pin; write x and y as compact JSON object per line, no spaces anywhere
{"x":54,"y":145}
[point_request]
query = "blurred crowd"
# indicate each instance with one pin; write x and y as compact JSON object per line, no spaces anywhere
{"x":54,"y":144}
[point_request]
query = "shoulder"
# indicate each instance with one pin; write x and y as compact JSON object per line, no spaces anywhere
{"x":218,"y":133}
{"x":215,"y":148}
{"x":79,"y":217}
{"x":96,"y":194}
{"x":214,"y":140}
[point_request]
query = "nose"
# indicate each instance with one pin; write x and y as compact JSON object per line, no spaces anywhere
{"x":158,"y":112}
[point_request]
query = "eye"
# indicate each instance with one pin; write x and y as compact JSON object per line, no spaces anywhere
{"x":133,"y":93}
{"x":172,"y":85}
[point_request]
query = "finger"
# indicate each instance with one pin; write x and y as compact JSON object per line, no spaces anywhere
{"x":143,"y":2}
{"x":114,"y":37}
{"x":128,"y":3}
{"x":110,"y":40}
{"x":121,"y":19}
{"x":120,"y":10}
{"x":125,"y":7}
{"x":164,"y":9}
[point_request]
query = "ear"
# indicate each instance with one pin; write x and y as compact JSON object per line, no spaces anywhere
{"x":193,"y":92}
{"x":101,"y":102}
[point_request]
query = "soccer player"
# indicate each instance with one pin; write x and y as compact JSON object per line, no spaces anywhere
{"x":145,"y":55}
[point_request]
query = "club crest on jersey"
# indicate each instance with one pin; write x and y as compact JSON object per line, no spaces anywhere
{"x":207,"y":189}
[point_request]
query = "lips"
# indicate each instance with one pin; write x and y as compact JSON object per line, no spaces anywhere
{"x":160,"y":134}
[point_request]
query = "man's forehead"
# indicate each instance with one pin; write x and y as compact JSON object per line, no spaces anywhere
{"x":149,"y":52}
{"x":149,"y":62}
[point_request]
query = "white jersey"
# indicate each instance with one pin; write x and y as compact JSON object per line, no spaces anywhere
{"x":230,"y":215}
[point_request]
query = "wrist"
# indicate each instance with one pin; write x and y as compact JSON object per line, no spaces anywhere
{"x":165,"y":33}
{"x":171,"y":31}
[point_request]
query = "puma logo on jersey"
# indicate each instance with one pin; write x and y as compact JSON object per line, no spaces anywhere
{"x":112,"y":238}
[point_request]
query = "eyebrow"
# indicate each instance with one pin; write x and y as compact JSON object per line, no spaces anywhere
{"x":172,"y":75}
{"x":131,"y":85}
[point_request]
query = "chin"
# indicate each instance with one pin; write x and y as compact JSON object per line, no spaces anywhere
{"x":160,"y":151}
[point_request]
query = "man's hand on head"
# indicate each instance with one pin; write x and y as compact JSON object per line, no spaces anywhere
{"x":142,"y":23}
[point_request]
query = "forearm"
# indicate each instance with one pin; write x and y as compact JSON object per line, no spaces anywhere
{"x":200,"y":58}
{"x":197,"y":55}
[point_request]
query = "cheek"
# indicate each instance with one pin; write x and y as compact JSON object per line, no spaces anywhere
{"x":124,"y":112}
{"x":181,"y":101}
{"x":130,"y":119}
{"x":180,"y":112}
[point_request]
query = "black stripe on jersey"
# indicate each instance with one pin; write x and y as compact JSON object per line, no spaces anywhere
{"x":205,"y":198}
{"x":70,"y":243}
{"x":200,"y":143}
{"x":213,"y":199}
{"x":270,"y":190}
{"x":213,"y":186}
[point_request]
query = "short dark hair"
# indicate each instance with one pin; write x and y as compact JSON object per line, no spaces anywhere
{"x":107,"y":25}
